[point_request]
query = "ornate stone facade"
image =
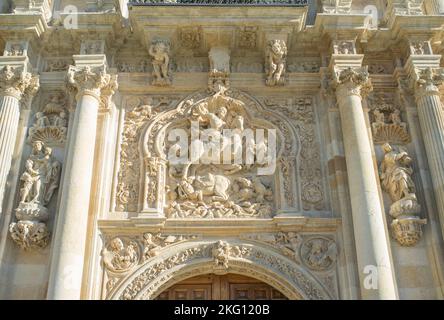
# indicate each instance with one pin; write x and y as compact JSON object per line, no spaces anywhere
{"x":155,"y":141}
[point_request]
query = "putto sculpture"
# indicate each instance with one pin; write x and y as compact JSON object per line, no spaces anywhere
{"x":396,"y":179}
{"x":160,"y":50}
{"x":275,"y":62}
{"x":38,"y":184}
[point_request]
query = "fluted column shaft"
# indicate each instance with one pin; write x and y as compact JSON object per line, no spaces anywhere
{"x":14,"y":85}
{"x":372,"y":244}
{"x":9,"y":119}
{"x":67,"y":257}
{"x":431,"y":119}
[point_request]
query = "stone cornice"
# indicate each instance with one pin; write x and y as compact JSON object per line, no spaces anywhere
{"x":27,"y":25}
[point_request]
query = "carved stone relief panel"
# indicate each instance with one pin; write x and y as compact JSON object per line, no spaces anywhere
{"x":385,"y":117}
{"x":136,"y":266}
{"x":50,"y":124}
{"x":138,"y":113}
{"x":300,"y":112}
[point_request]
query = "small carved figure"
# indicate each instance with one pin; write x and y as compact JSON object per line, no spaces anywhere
{"x":379,"y":118}
{"x":275,"y":62}
{"x":28,"y":178}
{"x":159,"y":50}
{"x":221,"y":254}
{"x":41,"y":120}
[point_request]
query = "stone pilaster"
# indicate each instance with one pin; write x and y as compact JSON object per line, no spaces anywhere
{"x":372,"y":243}
{"x":89,"y":82}
{"x":16,"y":85}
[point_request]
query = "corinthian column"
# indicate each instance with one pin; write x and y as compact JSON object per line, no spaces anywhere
{"x":431,"y":120}
{"x":15,"y":85}
{"x":67,"y":257}
{"x":372,"y":244}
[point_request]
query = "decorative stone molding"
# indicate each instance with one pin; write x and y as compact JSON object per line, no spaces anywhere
{"x":33,"y":7}
{"x":386,"y":122}
{"x":219,"y":58}
{"x":352,"y":81}
{"x":275,"y":62}
{"x":200,"y":257}
{"x":427,"y":81}
{"x":247,"y":38}
{"x":191,"y":37}
{"x":336,"y":6}
{"x":344,"y":47}
{"x":395,"y":173}
{"x":160,"y":51}
{"x":57,"y":64}
{"x":18,"y":83}
{"x":92,"y":47}
{"x":319,"y":253}
{"x":420,"y":47}
{"x":402,"y":8}
{"x":16,"y":48}
{"x":38,"y":184}
{"x":51,"y":124}
{"x":88,"y":80}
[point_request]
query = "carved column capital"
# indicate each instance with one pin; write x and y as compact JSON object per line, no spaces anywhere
{"x":88,"y":80}
{"x":352,"y":81}
{"x":426,"y":81}
{"x":18,"y":83}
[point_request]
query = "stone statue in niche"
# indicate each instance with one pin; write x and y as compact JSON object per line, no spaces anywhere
{"x":160,"y":50}
{"x":275,"y":62}
{"x":396,"y":179}
{"x":206,"y":189}
{"x":38,"y":184}
{"x":50,"y":124}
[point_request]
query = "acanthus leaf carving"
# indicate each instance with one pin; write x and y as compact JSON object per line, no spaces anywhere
{"x":18,"y":83}
{"x":88,"y":79}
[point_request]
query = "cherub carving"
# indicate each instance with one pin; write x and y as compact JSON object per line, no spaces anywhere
{"x":159,"y":50}
{"x":276,"y":54}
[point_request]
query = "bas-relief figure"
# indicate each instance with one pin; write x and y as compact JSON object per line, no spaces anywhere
{"x":160,"y":51}
{"x":216,"y":190}
{"x":275,"y":62}
{"x":396,"y":180}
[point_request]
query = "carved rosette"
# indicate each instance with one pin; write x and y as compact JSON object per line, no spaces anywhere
{"x":18,"y":83}
{"x":352,"y":81}
{"x":90,"y":81}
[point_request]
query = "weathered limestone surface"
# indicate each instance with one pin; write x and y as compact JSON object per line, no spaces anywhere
{"x":113,"y":119}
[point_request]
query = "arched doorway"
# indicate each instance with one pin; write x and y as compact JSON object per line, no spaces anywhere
{"x":221,"y":287}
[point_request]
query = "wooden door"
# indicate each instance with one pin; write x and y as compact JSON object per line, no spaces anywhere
{"x":226,"y":287}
